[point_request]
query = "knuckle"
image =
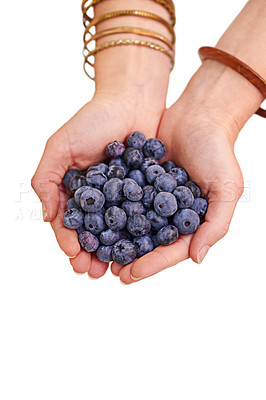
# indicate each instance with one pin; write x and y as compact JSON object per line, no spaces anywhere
{"x":50,"y":142}
{"x":223,"y":229}
{"x":34,"y":182}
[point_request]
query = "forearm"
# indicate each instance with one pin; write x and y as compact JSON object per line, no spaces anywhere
{"x":133,"y":70}
{"x":222,"y":91}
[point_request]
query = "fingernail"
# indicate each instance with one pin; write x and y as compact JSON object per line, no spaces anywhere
{"x":134,"y":279}
{"x":72,"y":257}
{"x":202,"y":253}
{"x":44,"y":212}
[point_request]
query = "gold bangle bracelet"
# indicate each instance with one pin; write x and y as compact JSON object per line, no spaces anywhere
{"x":123,"y":43}
{"x":128,"y":29}
{"x":138,"y":13}
{"x":168,"y":5}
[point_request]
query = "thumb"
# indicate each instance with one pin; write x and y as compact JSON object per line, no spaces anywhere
{"x":55,"y":160}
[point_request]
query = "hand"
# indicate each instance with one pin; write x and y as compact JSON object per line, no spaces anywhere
{"x":80,"y":143}
{"x":200,"y":130}
{"x":198,"y":137}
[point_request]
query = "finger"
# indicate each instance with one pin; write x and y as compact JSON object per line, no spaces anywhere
{"x":98,"y":268}
{"x":159,"y":259}
{"x":125,"y":274}
{"x":220,"y":211}
{"x":66,"y":238}
{"x":54,"y":162}
{"x":116,"y":268}
{"x":82,"y":262}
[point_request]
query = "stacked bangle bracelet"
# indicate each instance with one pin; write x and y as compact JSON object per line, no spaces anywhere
{"x":136,"y":13}
{"x":89,"y":23}
{"x":128,"y":29}
{"x":168,"y":4}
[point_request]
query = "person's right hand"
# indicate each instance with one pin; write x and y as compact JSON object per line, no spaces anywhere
{"x":80,"y":143}
{"x":199,"y":131}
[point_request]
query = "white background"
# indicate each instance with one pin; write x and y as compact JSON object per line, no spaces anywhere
{"x":191,"y":332}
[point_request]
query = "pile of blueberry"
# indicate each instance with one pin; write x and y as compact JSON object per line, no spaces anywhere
{"x":129,"y":205}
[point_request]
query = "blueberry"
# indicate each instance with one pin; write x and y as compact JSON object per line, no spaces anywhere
{"x":109,"y":237}
{"x":156,"y":220}
{"x":94,"y":222}
{"x":119,"y":161}
{"x":194,"y":189}
{"x":101,"y":167}
{"x":133,"y":157}
{"x":104,"y":253}
{"x":96,"y":179}
{"x":92,"y":200}
{"x":184,"y":197}
{"x":138,"y":177}
{"x":109,"y":204}
{"x":126,"y":180}
{"x":143,"y":245}
{"x":187,"y":221}
{"x":73,"y":218}
{"x":136,"y":140}
{"x":132,"y":190}
{"x":165,"y":204}
{"x":102,"y":210}
{"x":155,"y":241}
{"x":116,"y":171}
{"x":115,"y":218}
{"x":81,"y":229}
{"x":124,"y":252}
{"x":165,"y":183}
{"x":149,"y":194}
{"x":71,"y":204}
{"x":200,"y":206}
{"x":138,"y":225}
{"x":78,"y":193}
{"x":124,"y":234}
{"x":69,"y":175}
{"x":88,"y":241}
{"x":167,"y":235}
{"x":180,"y":175}
{"x":133,"y":207}
{"x":168,"y":165}
{"x":153,"y":172}
{"x":112,"y":190}
{"x":148,"y":162}
{"x":76,"y":182}
{"x":115,"y":149}
{"x":154,"y":148}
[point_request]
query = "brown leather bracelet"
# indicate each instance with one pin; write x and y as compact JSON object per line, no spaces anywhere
{"x":239,"y":66}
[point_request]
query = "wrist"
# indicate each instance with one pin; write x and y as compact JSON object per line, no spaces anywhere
{"x":220,"y":94}
{"x":133,"y":71}
{"x":227,"y":97}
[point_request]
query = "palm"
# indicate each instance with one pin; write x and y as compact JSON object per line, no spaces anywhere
{"x":100,"y":122}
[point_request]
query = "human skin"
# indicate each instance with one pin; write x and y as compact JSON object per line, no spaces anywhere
{"x":200,"y":130}
{"x":131,"y":86}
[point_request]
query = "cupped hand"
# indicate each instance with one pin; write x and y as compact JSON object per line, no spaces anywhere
{"x":80,"y":143}
{"x":200,"y":141}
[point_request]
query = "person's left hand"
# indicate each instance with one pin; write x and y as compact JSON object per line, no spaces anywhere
{"x":80,"y":143}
